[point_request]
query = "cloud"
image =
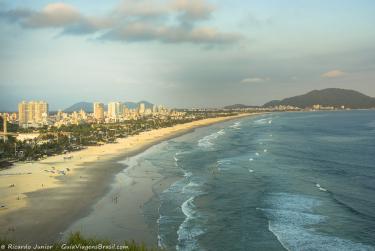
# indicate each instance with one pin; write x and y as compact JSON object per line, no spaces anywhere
{"x":139,"y":31}
{"x":141,"y":9}
{"x":170,"y":21}
{"x":192,"y":10}
{"x":53,"y":15}
{"x":89,"y":25}
{"x":186,"y":9}
{"x":252,"y":80}
{"x":333,"y":74}
{"x":15,"y":15}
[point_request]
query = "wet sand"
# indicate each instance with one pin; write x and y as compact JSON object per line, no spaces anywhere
{"x":129,"y":209}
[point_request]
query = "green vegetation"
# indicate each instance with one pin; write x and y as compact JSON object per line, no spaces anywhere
{"x":77,"y":242}
{"x":61,"y":140}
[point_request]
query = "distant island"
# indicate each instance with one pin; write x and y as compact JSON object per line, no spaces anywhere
{"x":330,"y":97}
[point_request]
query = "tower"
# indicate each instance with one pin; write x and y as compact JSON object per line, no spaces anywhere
{"x":22,"y":113}
{"x":99,"y":111}
{"x":5,"y":126}
{"x":141,"y":108}
{"x":115,"y":109}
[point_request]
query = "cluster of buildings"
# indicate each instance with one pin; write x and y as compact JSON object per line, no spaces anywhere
{"x":319,"y":107}
{"x":35,"y":114}
{"x":118,"y":112}
{"x":285,"y":108}
{"x":266,"y":109}
{"x":30,"y":114}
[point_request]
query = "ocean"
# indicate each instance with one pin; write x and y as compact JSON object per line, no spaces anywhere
{"x":295,"y":181}
{"x":278,"y":181}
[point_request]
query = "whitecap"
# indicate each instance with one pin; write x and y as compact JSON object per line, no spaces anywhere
{"x":206,"y":142}
{"x":320,"y":188}
{"x":191,"y":188}
{"x":291,"y":219}
{"x":223,"y":161}
{"x":175,"y":160}
{"x":260,"y":121}
{"x":224,"y":164}
{"x":188,"y":231}
{"x":236,"y":125}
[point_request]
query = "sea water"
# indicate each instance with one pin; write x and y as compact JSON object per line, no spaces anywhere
{"x":282,"y":181}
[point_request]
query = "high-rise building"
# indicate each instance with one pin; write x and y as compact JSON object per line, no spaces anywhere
{"x":82,"y":114}
{"x":126,"y":111}
{"x":154,"y":109}
{"x":33,"y":112}
{"x":115,"y":110}
{"x":41,"y":111}
{"x":99,"y":111}
{"x":31,"y":109}
{"x":22,"y":113}
{"x":5,"y":126}
{"x":59,"y":115}
{"x":141,"y":108}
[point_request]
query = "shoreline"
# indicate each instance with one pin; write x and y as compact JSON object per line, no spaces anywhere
{"x":44,"y":202}
{"x":129,"y":208}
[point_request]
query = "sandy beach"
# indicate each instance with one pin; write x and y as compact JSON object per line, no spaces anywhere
{"x":40,"y":200}
{"x":129,"y":209}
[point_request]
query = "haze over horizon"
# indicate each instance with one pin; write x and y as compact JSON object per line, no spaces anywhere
{"x":183,"y":53}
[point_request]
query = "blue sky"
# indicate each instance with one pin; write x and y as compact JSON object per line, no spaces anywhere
{"x":183,"y":53}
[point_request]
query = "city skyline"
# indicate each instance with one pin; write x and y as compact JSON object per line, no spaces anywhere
{"x":36,"y":114}
{"x":195,"y":53}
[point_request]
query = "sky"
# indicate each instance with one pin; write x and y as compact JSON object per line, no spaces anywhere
{"x":183,"y":53}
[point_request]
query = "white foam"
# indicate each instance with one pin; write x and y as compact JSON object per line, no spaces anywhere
{"x":236,"y":125}
{"x":265,"y":150}
{"x":291,"y":220}
{"x":225,"y":164}
{"x":260,"y":121}
{"x":223,"y":161}
{"x":257,"y":154}
{"x":251,"y":170}
{"x":160,"y":222}
{"x":187,"y":207}
{"x":175,"y":160}
{"x":221,"y":132}
{"x":206,"y":142}
{"x":320,"y":188}
{"x":191,"y":188}
{"x":251,"y":159}
{"x":188,"y":231}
